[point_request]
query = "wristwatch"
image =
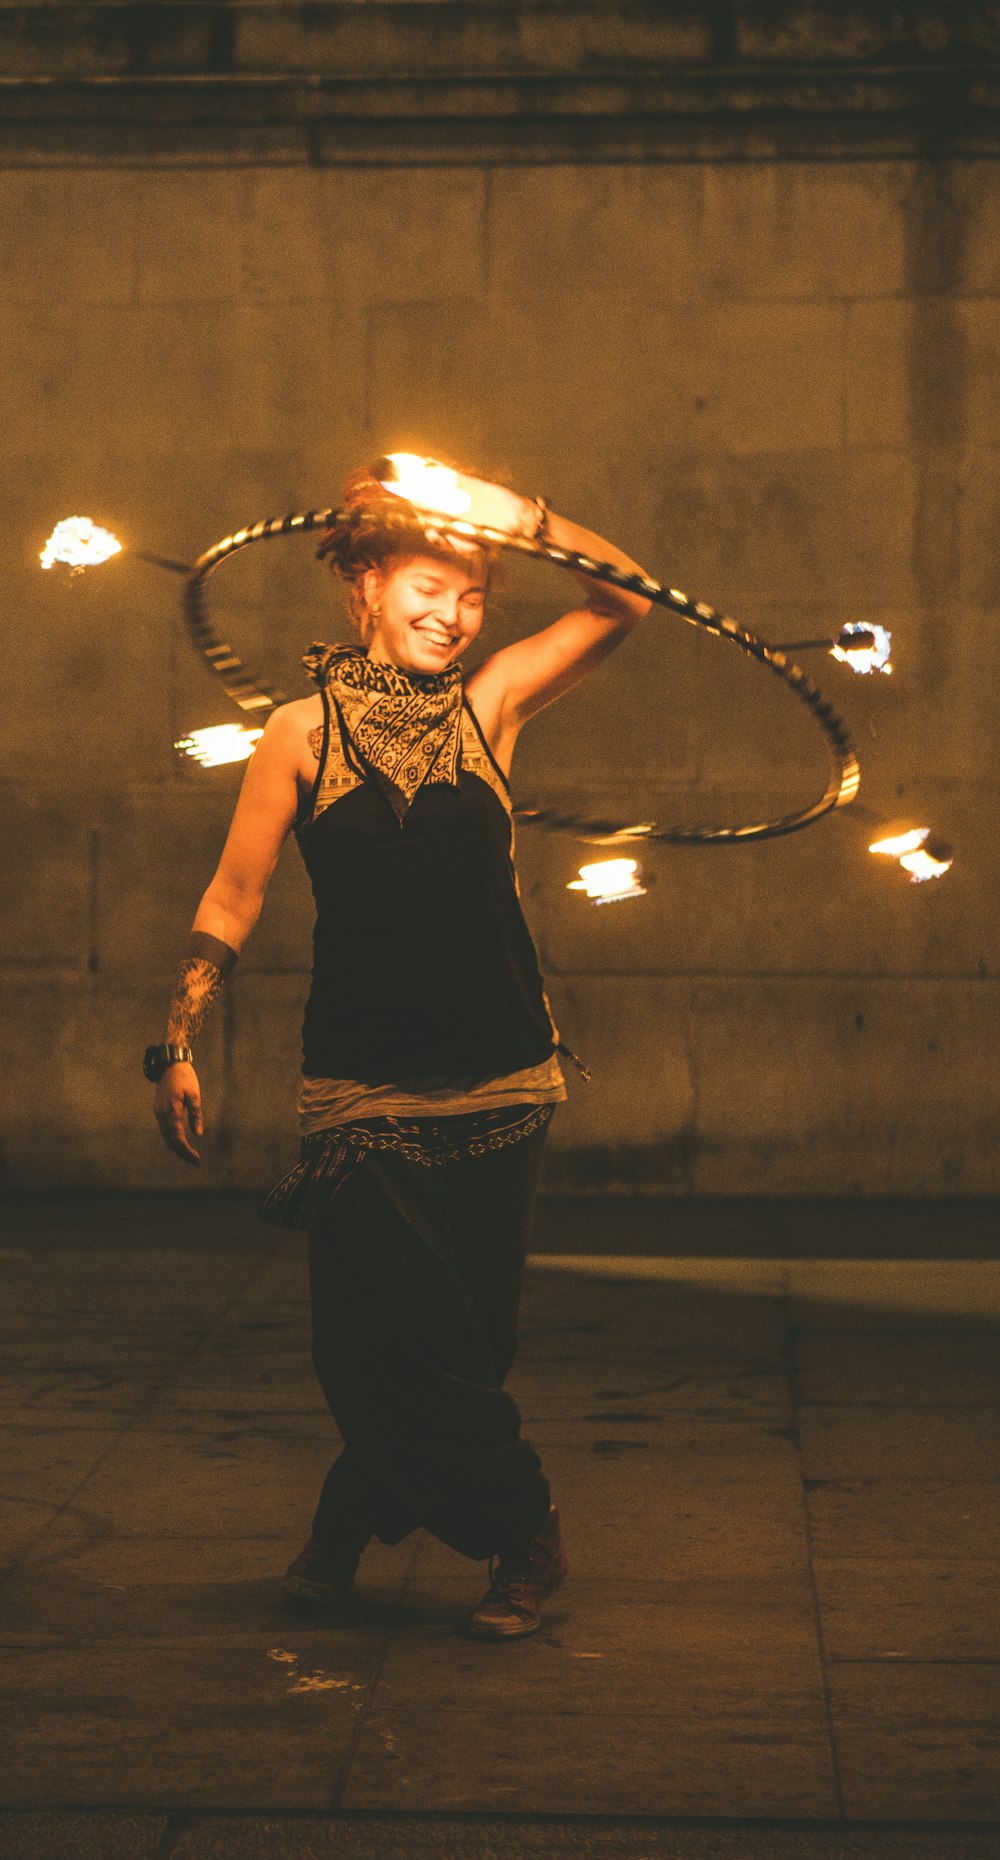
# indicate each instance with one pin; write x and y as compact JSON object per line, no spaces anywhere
{"x":156,"y":1059}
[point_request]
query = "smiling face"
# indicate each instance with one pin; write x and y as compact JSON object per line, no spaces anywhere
{"x":427,"y":610}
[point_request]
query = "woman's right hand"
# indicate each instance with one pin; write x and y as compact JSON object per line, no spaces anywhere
{"x":498,"y":507}
{"x":177,"y":1110}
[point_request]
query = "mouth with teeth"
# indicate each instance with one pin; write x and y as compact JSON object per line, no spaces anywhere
{"x":441,"y":640}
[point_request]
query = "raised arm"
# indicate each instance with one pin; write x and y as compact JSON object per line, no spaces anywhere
{"x":523,"y":678}
{"x":263,"y":818}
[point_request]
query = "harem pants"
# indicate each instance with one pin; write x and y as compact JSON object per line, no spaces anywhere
{"x":416,"y":1277}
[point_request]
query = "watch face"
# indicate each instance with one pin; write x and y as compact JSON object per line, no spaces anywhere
{"x":152,"y":1062}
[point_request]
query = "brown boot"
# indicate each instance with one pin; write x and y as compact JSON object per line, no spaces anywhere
{"x":519,"y":1582}
{"x":320,"y":1576}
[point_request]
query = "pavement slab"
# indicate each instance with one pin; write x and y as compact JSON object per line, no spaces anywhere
{"x":22,"y":1521}
{"x":913,"y":1370}
{"x":179,"y":1590}
{"x":620,"y":1319}
{"x":229,"y":1725}
{"x":475,"y":1838}
{"x":716,"y":1390}
{"x":885,"y":1295}
{"x":578,"y":1762}
{"x":918,"y":1738}
{"x":883,"y":1442}
{"x":85,"y":1395}
{"x":97,"y":1836}
{"x":40,"y":1836}
{"x":927,"y":1608}
{"x":777,"y":1480}
{"x":678,"y":1513}
{"x":218,"y":1481}
{"x":45,"y":1464}
{"x":904,"y":1518}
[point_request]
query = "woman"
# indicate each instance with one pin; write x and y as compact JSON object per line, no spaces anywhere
{"x":430,"y":1066}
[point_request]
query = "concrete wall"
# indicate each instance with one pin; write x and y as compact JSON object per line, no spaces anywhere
{"x":774,"y":382}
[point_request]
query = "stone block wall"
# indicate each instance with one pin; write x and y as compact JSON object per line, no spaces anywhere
{"x":773,"y":381}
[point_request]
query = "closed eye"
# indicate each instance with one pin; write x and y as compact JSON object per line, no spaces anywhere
{"x":428,"y":588}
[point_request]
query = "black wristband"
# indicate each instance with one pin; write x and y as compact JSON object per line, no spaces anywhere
{"x":204,"y":948}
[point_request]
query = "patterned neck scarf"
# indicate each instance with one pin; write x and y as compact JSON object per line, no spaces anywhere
{"x":405,"y":727}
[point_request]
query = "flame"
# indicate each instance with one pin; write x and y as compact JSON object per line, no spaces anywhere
{"x":918,"y":853}
{"x":79,"y":543}
{"x":900,"y":843}
{"x":870,"y":654}
{"x":427,"y":484}
{"x":608,"y":880}
{"x":923,"y":864}
{"x":221,"y":742}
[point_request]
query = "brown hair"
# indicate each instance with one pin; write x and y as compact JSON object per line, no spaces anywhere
{"x":371,"y":531}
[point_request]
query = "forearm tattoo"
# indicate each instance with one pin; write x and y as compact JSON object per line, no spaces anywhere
{"x":204,"y":969}
{"x":199,"y":983}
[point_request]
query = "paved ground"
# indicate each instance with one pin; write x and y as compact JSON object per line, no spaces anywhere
{"x":777,"y":1464}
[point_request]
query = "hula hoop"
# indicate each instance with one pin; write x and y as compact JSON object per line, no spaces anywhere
{"x":240,"y":684}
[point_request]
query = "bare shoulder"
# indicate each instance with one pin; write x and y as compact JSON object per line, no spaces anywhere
{"x":294,"y":720}
{"x":292,"y":737}
{"x":298,"y":715}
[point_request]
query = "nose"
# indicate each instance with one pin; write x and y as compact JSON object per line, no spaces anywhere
{"x":446,"y":610}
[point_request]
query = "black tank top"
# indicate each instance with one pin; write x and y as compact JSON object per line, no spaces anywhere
{"x":422,"y":960}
